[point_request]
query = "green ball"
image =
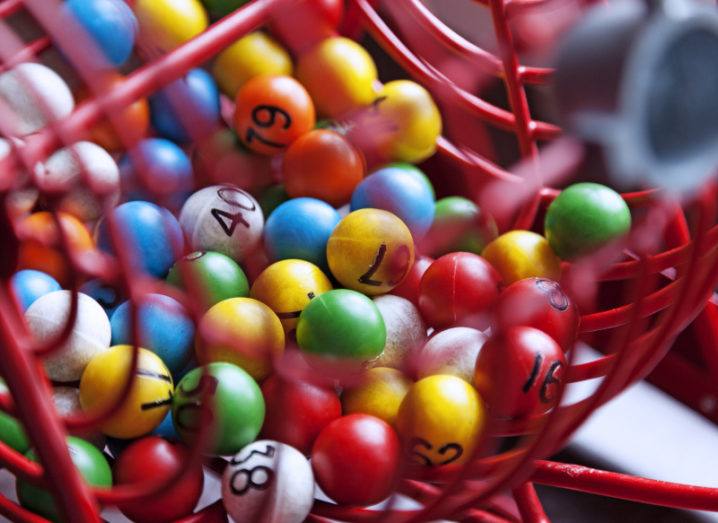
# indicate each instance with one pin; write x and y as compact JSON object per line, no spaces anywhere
{"x":219,"y":276}
{"x":342,"y":324}
{"x":219,"y":8}
{"x":271,"y":198}
{"x":238,"y":409}
{"x":91,"y":464}
{"x":458,"y":227}
{"x":13,"y":434}
{"x":585,"y":217}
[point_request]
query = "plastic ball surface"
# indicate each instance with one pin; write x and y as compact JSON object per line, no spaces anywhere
{"x":236,"y":404}
{"x":13,"y":434}
{"x":130,"y":125}
{"x":379,"y":394}
{"x":356,"y":459}
{"x":459,"y":226}
{"x":405,"y":331}
{"x":67,"y":401}
{"x":220,"y":8}
{"x":370,"y":251}
{"x":272,"y":112}
{"x":105,"y":294}
{"x":268,"y":481}
{"x":452,"y":351}
{"x":410,"y":285}
{"x":166,"y":24}
{"x":522,"y":254}
{"x":90,"y":335}
{"x":585,"y":217}
{"x":29,"y":285}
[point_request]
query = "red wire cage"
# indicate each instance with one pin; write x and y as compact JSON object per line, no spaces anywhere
{"x":641,"y":293}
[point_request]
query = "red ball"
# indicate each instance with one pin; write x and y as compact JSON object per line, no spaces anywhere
{"x":307,"y":23}
{"x":153,"y":458}
{"x":518,"y":372}
{"x":297,"y":411}
{"x":538,"y":303}
{"x":458,"y":289}
{"x":356,"y":459}
{"x":409,"y":286}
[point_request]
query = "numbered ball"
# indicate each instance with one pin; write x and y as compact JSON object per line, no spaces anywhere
{"x":268,"y":481}
{"x":322,"y":164}
{"x":379,"y":394}
{"x":405,"y":331}
{"x":458,"y":289}
{"x":243,"y":331}
{"x":237,"y":407}
{"x":441,"y":420}
{"x":453,"y":351}
{"x":522,"y":254}
{"x":29,"y":285}
{"x":90,"y":335}
{"x":584,"y":218}
{"x":370,"y":251}
{"x":126,"y":128}
{"x":409,"y":286}
{"x":342,"y":324}
{"x":459,"y":225}
{"x":166,"y":24}
{"x":223,"y":218}
{"x":272,"y":112}
{"x":209,"y":276}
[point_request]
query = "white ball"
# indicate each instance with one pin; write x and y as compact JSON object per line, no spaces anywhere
{"x":31,"y":96}
{"x":222,"y":218}
{"x":453,"y":351}
{"x":67,"y":402}
{"x":90,"y":335}
{"x":405,"y":331}
{"x":268,"y":481}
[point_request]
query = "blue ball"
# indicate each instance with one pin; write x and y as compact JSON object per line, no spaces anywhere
{"x":165,"y":328}
{"x":300,"y":228}
{"x":196,"y":97}
{"x":152,"y":233}
{"x":166,"y":429}
{"x":402,"y":189}
{"x":29,"y":285}
{"x":106,"y":295}
{"x":111,"y":23}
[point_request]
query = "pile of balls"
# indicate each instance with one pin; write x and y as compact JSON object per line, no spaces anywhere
{"x":343,"y":315}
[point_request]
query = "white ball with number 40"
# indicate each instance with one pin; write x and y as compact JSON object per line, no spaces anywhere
{"x":268,"y":482}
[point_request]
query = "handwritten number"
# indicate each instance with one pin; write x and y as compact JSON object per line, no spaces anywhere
{"x":549,"y":380}
{"x":366,"y":277}
{"x":271,"y":112}
{"x":249,"y":482}
{"x":252,"y":134}
{"x":534,"y":373}
{"x":452,"y":451}
{"x":268,"y":452}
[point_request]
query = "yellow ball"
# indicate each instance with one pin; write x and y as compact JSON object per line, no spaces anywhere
{"x":370,"y":251}
{"x":287,"y":286}
{"x":148,"y":401}
{"x":242,"y":331}
{"x":339,"y":75}
{"x":441,"y":419}
{"x":254,"y":54}
{"x":522,"y":254}
{"x":167,"y":24}
{"x":380,"y":394}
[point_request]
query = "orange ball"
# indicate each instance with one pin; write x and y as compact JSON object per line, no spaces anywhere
{"x":272,"y":112}
{"x":322,"y":164}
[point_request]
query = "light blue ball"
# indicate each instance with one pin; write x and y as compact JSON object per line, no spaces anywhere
{"x":165,"y":328}
{"x":104,"y":294}
{"x":300,"y":228}
{"x":402,"y":189}
{"x":30,"y":285}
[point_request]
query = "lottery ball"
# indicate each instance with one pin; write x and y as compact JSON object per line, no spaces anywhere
{"x":89,"y":462}
{"x":272,"y":112}
{"x":13,"y":434}
{"x":148,"y":401}
{"x":370,"y":251}
{"x":237,"y":407}
{"x":519,"y":371}
{"x":405,"y":331}
{"x":522,"y":254}
{"x":33,"y":95}
{"x":110,"y":23}
{"x":271,"y":198}
{"x":459,"y":225}
{"x":222,"y":218}
{"x":166,"y":24}
{"x":379,"y":394}
{"x":458,"y":289}
{"x":322,"y":164}
{"x":67,"y":402}
{"x":165,"y":328}
{"x":252,"y":55}
{"x":243,"y":331}
{"x":452,"y":351}
{"x":151,"y":234}
{"x":187,"y":108}
{"x":339,"y":75}
{"x":106,"y":295}
{"x":409,"y":286}
{"x":356,"y":459}
{"x":300,"y":228}
{"x":297,"y":411}
{"x":209,"y":276}
{"x":29,"y":285}
{"x":440,"y":420}
{"x":583,"y":218}
{"x":287,"y":286}
{"x":307,"y":24}
{"x":153,"y":458}
{"x":401,"y":189}
{"x":343,"y":324}
{"x":43,"y":254}
{"x":90,"y":335}
{"x":268,"y":481}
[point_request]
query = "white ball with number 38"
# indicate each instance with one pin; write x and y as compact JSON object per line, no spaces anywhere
{"x":268,"y":482}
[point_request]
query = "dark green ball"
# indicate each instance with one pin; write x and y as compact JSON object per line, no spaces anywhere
{"x":271,"y":198}
{"x":219,"y":8}
{"x":13,"y":434}
{"x":219,"y":276}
